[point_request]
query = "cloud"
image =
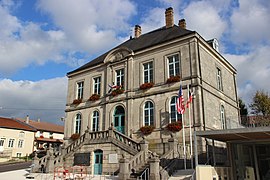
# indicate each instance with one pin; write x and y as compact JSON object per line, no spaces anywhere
{"x":250,"y":23}
{"x":204,"y":17}
{"x":43,"y":99}
{"x":253,"y":71}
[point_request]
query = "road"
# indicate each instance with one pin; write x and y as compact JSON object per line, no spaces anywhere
{"x":14,"y":166}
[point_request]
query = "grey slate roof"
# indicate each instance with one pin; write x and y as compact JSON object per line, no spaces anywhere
{"x":152,"y":38}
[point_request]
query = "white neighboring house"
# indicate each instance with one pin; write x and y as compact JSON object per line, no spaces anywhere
{"x":16,"y":138}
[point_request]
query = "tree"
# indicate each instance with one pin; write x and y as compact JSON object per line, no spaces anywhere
{"x":243,"y":108}
{"x":261,"y":104}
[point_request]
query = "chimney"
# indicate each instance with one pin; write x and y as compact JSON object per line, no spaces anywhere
{"x":27,"y":119}
{"x":137,"y":31}
{"x":169,"y":17}
{"x":182,"y":23}
{"x":38,"y":120}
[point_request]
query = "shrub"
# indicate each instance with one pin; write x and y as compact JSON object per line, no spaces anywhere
{"x":77,"y":101}
{"x":75,"y":136}
{"x":175,"y":126}
{"x":118,"y":90}
{"x":173,"y":79}
{"x":146,"y":85}
{"x":146,"y":130}
{"x":94,"y":97}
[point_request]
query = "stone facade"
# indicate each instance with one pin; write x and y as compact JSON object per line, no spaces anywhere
{"x":202,"y":68}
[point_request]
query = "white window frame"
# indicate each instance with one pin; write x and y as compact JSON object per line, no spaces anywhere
{"x":149,"y":117}
{"x":80,"y":87}
{"x":119,"y":77}
{"x":173,"y":110}
{"x":219,"y":79}
{"x":11,"y":143}
{"x":18,"y":154}
{"x":78,"y":123}
{"x":148,"y":71}
{"x":2,"y":142}
{"x":175,"y":64}
{"x":97,"y":85}
{"x":95,"y":121}
{"x":222,"y":117}
{"x":20,"y":143}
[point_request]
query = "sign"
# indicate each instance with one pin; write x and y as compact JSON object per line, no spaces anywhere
{"x":82,"y":159}
{"x":113,"y":158}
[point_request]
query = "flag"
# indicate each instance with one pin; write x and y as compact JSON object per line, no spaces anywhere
{"x":180,"y":102}
{"x":190,"y":98}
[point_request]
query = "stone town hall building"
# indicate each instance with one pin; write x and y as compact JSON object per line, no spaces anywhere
{"x":169,"y":52}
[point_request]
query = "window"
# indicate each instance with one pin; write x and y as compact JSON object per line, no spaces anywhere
{"x":11,"y":142}
{"x":222,"y":117}
{"x":95,"y":123}
{"x":78,"y":121}
{"x":174,"y":65}
{"x":19,"y":154}
{"x":80,"y":90}
{"x":41,"y":134}
{"x":2,"y":141}
{"x":21,"y":135}
{"x":119,"y":77}
{"x":97,"y":82}
{"x":219,"y":80}
{"x":20,"y":143}
{"x":148,"y":113}
{"x":148,"y":72}
{"x":174,"y":115}
{"x":51,"y":135}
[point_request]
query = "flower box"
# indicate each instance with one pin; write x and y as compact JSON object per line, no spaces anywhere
{"x":117,"y":91}
{"x":75,"y":136}
{"x":146,"y":130}
{"x":175,"y":126}
{"x":77,"y":101}
{"x":94,"y":97}
{"x":146,"y":86}
{"x":173,"y":79}
{"x":41,"y":136}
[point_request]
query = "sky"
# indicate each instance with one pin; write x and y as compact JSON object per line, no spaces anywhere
{"x":42,"y":40}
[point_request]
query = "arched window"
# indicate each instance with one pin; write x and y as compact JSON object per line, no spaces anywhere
{"x":174,"y":115}
{"x":78,"y":122}
{"x":222,"y":117}
{"x":95,"y":121}
{"x":148,"y":113}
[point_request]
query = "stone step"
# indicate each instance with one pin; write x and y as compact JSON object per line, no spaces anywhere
{"x":182,"y":174}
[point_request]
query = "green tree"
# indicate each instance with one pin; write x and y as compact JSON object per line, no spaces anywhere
{"x":261,"y":104}
{"x":243,"y":108}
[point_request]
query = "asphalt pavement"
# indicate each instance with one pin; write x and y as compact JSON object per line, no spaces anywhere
{"x":14,"y":166}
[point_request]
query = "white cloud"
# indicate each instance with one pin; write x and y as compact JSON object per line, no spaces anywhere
{"x":204,"y":17}
{"x":253,"y":71}
{"x":250,"y":22}
{"x":44,"y":99}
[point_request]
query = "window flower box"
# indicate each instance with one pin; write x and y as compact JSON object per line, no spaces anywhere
{"x":117,"y":91}
{"x":146,"y":86}
{"x":41,"y":136}
{"x":146,"y":130}
{"x":94,"y":97}
{"x":77,"y":101}
{"x":173,"y":79}
{"x":75,"y":136}
{"x":175,"y":126}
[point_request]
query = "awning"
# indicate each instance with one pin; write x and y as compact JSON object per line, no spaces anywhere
{"x":251,"y":134}
{"x":38,"y":139}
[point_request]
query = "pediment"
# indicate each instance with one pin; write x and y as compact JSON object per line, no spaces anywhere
{"x":118,"y":54}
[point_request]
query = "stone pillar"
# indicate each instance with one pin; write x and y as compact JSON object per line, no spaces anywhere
{"x":173,"y":145}
{"x":35,"y":163}
{"x":124,"y":171}
{"x":50,"y":160}
{"x":111,"y":128}
{"x":144,"y":147}
{"x":154,"y":168}
{"x":87,"y":135}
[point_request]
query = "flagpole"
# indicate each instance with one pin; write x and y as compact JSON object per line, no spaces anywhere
{"x":184,"y":142}
{"x":190,"y":133}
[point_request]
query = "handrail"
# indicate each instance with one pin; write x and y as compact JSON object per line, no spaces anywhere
{"x":146,"y":173}
{"x":127,"y":140}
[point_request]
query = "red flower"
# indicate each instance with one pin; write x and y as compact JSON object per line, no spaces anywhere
{"x":94,"y":97}
{"x":173,"y":79}
{"x":118,"y":90}
{"x":146,"y":85}
{"x":77,"y":101}
{"x":75,"y":136}
{"x":146,"y":130}
{"x":175,"y":126}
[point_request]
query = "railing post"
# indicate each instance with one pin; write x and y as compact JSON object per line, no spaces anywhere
{"x":173,"y":145}
{"x":144,"y":147}
{"x":154,"y":168}
{"x":36,"y":163}
{"x":123,"y":169}
{"x":50,"y":160}
{"x":87,"y":135}
{"x":111,"y":128}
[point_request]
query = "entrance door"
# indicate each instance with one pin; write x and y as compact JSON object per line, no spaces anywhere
{"x":98,"y":157}
{"x":119,"y":119}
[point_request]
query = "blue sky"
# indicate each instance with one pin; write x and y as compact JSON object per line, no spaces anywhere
{"x":42,"y":40}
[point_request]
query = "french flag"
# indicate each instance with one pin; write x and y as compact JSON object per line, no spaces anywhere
{"x":190,"y":98}
{"x":180,"y":102}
